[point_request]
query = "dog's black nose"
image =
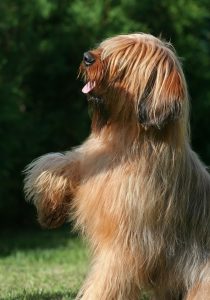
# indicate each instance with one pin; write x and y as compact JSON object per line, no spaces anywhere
{"x":88,"y":58}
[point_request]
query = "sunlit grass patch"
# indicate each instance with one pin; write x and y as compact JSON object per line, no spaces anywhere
{"x":41,"y":265}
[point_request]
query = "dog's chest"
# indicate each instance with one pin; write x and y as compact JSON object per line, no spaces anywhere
{"x":107,"y":200}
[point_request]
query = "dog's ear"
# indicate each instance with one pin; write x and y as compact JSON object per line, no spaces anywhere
{"x":162,"y":99}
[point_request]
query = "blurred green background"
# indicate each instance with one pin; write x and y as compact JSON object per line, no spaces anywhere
{"x":42,"y":108}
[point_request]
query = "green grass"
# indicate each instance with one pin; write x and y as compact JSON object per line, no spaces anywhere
{"x":35,"y":265}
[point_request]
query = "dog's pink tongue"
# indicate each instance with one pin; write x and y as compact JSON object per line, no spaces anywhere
{"x":88,"y":87}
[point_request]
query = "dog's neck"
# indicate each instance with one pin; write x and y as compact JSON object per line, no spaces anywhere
{"x":133,"y":139}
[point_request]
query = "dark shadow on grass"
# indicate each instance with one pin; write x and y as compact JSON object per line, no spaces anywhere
{"x":54,"y":296}
{"x":31,"y":239}
{"x":43,"y":296}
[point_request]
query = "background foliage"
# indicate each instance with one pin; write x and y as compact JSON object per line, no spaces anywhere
{"x":41,"y":105}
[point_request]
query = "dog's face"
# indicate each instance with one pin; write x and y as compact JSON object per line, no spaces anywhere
{"x":135,"y":78}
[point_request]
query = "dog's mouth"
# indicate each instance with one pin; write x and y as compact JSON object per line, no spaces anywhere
{"x":88,"y":89}
{"x":96,"y":103}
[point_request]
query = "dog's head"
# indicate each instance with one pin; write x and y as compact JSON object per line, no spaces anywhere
{"x":136,"y":78}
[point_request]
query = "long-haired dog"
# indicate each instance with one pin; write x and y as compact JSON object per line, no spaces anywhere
{"x":134,"y":188}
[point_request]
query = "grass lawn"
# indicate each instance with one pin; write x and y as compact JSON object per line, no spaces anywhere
{"x":35,"y":265}
{"x":41,"y":265}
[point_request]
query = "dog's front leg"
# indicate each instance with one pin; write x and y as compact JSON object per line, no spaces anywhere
{"x":50,"y":184}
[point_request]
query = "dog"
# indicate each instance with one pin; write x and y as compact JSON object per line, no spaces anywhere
{"x":134,"y":188}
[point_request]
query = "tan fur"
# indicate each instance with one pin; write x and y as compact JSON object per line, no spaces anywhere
{"x":135,"y":188}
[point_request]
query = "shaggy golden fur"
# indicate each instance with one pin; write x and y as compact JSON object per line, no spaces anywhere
{"x":134,"y":188}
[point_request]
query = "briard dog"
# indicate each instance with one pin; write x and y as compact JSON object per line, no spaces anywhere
{"x":134,"y":188}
